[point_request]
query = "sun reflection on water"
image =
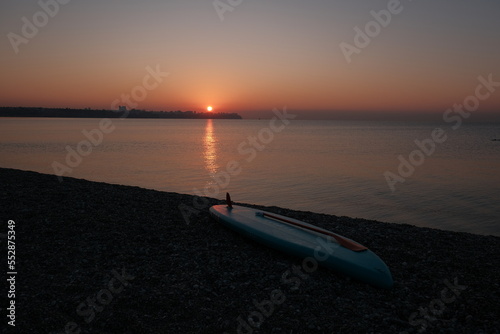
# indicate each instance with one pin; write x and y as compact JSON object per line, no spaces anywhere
{"x":210,"y":152}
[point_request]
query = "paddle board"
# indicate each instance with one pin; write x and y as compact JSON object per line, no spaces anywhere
{"x":304,"y":240}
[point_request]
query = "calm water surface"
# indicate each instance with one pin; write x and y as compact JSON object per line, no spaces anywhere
{"x":322,"y":166}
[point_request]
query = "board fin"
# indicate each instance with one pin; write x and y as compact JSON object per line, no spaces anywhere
{"x":228,"y":201}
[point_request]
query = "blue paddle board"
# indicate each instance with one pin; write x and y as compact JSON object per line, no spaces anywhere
{"x":305,"y":240}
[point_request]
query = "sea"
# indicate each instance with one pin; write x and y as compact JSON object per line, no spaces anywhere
{"x":424,"y":174}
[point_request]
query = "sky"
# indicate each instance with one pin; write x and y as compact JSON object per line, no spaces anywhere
{"x":250,"y":56}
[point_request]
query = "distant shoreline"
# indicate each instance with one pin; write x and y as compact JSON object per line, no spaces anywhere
{"x":102,"y":113}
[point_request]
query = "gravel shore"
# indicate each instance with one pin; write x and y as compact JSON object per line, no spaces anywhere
{"x":99,"y":258}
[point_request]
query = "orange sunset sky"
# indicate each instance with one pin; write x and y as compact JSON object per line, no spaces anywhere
{"x":253,"y":57}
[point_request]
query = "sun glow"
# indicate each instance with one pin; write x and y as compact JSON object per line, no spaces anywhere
{"x":209,"y":108}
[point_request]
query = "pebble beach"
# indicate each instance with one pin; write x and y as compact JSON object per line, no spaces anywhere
{"x":102,"y":258}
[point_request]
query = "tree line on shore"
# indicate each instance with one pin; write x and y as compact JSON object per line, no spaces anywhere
{"x":102,"y":113}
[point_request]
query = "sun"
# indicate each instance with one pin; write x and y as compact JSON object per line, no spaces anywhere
{"x":209,"y":108}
